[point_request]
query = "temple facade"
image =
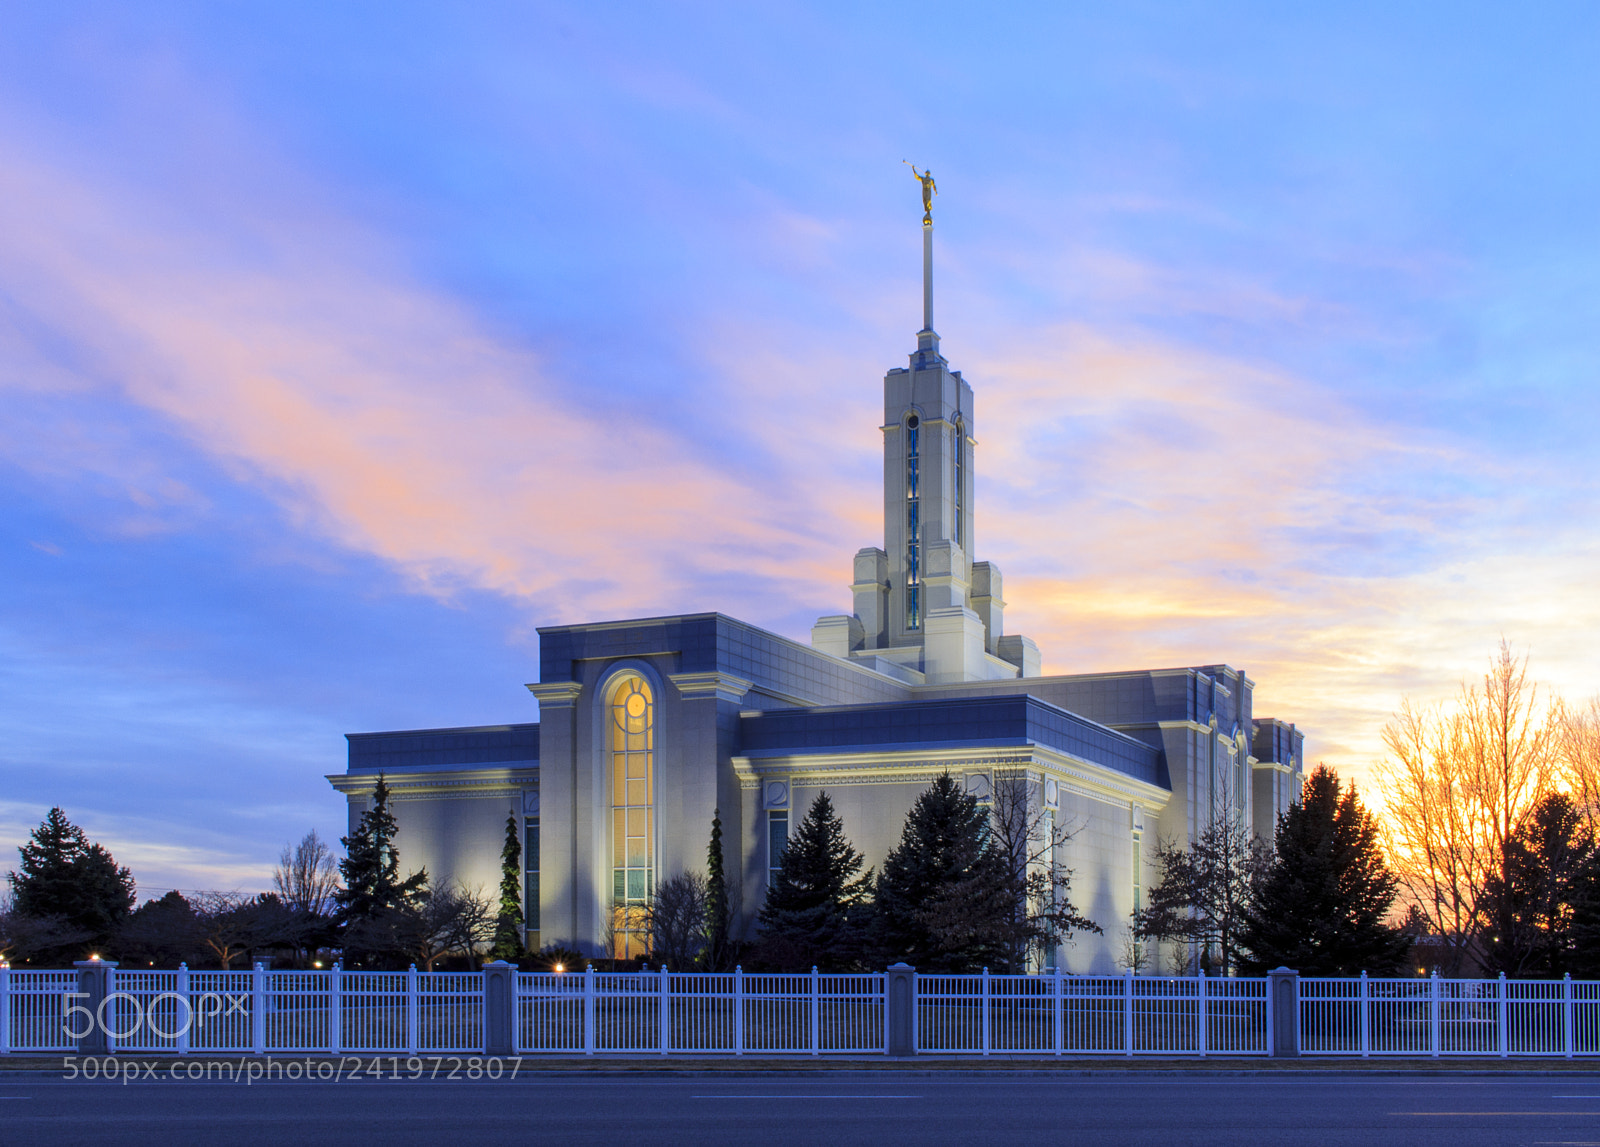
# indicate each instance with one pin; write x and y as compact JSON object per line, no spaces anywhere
{"x":649,"y":727}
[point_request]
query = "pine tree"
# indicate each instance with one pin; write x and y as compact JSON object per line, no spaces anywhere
{"x":374,"y":903}
{"x":943,"y":871}
{"x":67,"y":879}
{"x":718,"y":947}
{"x":816,"y":908}
{"x":508,"y":943}
{"x":1531,"y":908}
{"x":1320,"y":906}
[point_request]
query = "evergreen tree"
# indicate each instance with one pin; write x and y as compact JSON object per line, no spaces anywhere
{"x":718,"y":948}
{"x":375,"y":905}
{"x":941,"y":873}
{"x":508,"y":943}
{"x":77,"y":884}
{"x":815,"y":911}
{"x":1530,"y":910}
{"x":1320,"y":906}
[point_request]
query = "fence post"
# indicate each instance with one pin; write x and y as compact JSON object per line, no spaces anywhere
{"x":1283,"y":986}
{"x":1566,"y":1013}
{"x":664,"y":1005}
{"x":94,"y":981}
{"x":188,"y":1009}
{"x":335,"y":1009}
{"x":588,"y":1010}
{"x":985,"y":1012}
{"x":815,"y":1000}
{"x":1366,"y":1018}
{"x":1434,"y":1018}
{"x":900,"y":1010}
{"x":1127,"y":1012}
{"x":1500,"y":1019}
{"x":1059,"y":1006}
{"x":413,"y":1009}
{"x":1200,"y":1004}
{"x":5,"y":1007}
{"x":499,"y":1008}
{"x":738,"y":1009}
{"x":258,"y":1009}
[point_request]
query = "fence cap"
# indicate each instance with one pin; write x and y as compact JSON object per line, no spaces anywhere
{"x":498,"y":964}
{"x":902,"y":966}
{"x":1283,"y":971}
{"x":94,"y":962}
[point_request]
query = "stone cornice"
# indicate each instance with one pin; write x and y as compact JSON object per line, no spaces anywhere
{"x":554,"y":694}
{"x":722,"y":686}
{"x":468,"y":782}
{"x":900,"y":766}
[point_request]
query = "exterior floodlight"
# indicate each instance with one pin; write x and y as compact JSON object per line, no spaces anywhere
{"x":561,"y":967}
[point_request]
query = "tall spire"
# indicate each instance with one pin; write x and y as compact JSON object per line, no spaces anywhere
{"x":927,"y":275}
{"x":927,"y":340}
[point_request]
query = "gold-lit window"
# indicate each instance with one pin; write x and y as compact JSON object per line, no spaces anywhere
{"x":631,"y":745}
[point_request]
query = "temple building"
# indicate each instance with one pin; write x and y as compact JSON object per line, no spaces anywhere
{"x":649,"y":726}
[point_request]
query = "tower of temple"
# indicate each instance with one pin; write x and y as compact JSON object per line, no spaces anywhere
{"x":925,"y":611}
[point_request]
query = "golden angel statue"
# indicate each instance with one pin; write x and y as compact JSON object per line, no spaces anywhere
{"x":929,"y":189}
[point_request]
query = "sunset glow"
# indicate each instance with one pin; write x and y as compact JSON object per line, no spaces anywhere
{"x":338,"y":352}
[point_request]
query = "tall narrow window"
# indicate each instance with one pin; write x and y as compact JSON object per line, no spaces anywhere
{"x":777,"y":840}
{"x":1138,"y":898}
{"x":632,"y":746}
{"x":530,"y":869}
{"x":913,"y":529}
{"x":961,"y":484}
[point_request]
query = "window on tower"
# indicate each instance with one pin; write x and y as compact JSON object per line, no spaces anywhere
{"x":913,"y":527}
{"x":960,"y":472}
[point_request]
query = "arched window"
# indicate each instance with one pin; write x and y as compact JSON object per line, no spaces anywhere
{"x":913,"y":527}
{"x":630,"y":740}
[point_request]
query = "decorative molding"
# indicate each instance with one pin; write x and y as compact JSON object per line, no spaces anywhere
{"x":555,"y":694}
{"x":469,"y":783}
{"x":775,"y":794}
{"x":722,"y":686}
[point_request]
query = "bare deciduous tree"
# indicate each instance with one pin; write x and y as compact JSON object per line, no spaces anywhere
{"x":1027,"y":837}
{"x":1205,"y":889}
{"x":450,"y":920}
{"x":1578,"y":753}
{"x":1459,"y":782}
{"x":677,"y":919}
{"x":226,"y":925}
{"x":307,"y":876}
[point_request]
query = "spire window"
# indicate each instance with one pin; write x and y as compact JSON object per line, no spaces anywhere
{"x":961,"y":479}
{"x":913,"y":527}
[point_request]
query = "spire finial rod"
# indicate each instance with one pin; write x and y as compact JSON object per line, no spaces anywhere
{"x":929,"y":190}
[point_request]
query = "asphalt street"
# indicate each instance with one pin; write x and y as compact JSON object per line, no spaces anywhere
{"x":835,"y":1107}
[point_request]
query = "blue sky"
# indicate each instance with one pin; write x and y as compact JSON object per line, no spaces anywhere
{"x":342,"y":346}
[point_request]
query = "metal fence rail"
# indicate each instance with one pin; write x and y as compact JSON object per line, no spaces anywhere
{"x":334,"y":1011}
{"x":728,"y":1013}
{"x":1089,"y":1015}
{"x":1437,"y":1017}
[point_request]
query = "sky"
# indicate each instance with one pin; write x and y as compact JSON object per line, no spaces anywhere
{"x":342,"y":346}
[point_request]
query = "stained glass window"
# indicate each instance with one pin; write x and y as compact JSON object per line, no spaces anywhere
{"x":777,"y":839}
{"x":913,"y":528}
{"x":960,"y":469}
{"x":631,"y":743}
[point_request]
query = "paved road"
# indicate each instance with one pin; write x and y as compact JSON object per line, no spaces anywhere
{"x":826,"y":1107}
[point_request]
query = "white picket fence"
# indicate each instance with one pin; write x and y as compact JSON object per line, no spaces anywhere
{"x":671,"y":1013}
